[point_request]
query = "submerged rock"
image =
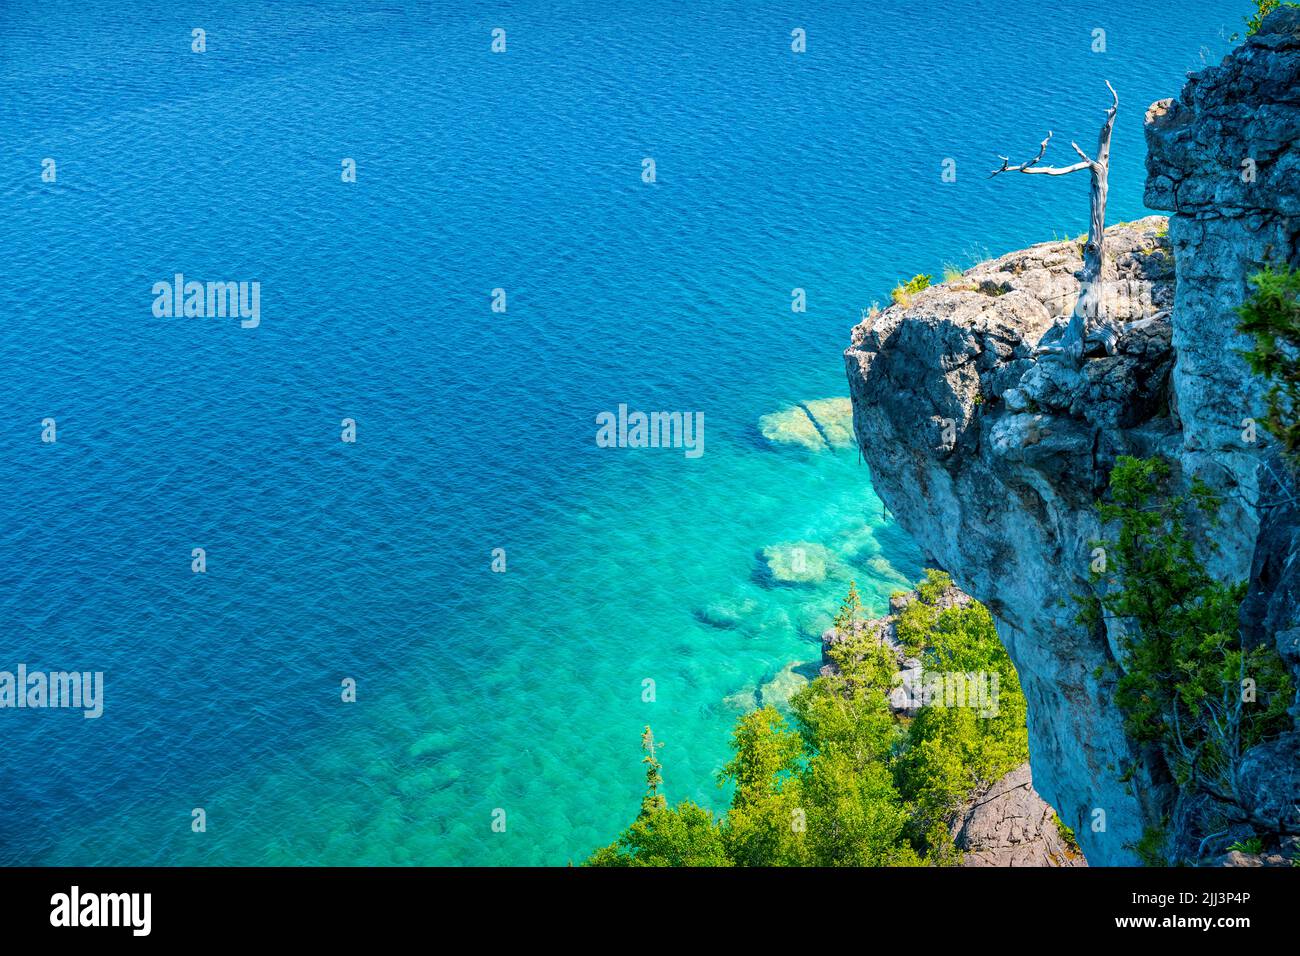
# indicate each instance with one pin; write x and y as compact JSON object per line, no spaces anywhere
{"x":792,"y":426}
{"x":813,"y":619}
{"x":727,"y":614}
{"x":799,"y":562}
{"x":817,"y":424}
{"x":834,"y":418}
{"x":882,"y":570}
{"x":787,"y":682}
{"x":743,"y":700}
{"x":774,"y":692}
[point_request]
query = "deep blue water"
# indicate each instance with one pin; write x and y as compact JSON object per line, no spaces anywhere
{"x":475,"y":430}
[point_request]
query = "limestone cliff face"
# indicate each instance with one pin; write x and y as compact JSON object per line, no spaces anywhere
{"x":1224,"y":159}
{"x":993,"y":461}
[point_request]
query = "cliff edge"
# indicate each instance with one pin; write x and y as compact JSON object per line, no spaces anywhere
{"x":993,"y":461}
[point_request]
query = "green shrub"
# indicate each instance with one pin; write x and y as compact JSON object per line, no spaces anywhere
{"x":1153,"y":848}
{"x":1272,"y":316}
{"x":1187,"y":684}
{"x":1066,"y":835}
{"x":1262,"y":9}
{"x":903,"y":292}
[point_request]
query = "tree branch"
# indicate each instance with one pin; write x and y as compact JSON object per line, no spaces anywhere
{"x":1033,"y":167}
{"x":1059,"y":170}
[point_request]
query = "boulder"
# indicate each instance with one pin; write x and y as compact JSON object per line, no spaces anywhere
{"x":1011,"y":825}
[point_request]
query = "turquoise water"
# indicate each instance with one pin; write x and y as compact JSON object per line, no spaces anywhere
{"x":521,"y":691}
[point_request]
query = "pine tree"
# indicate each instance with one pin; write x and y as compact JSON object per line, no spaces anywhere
{"x":1272,"y":316}
{"x":653,"y":799}
{"x":851,"y":615}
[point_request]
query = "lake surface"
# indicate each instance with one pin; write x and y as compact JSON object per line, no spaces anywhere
{"x":522,"y":691}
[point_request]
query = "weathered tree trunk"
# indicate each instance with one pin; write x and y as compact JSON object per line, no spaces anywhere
{"x":1089,"y":326}
{"x":1089,"y":329}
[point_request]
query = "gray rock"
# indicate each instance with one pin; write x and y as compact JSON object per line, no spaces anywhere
{"x":1224,"y":159}
{"x":1237,"y":858}
{"x":1271,"y":610}
{"x":1269,"y":780}
{"x":1010,"y":825}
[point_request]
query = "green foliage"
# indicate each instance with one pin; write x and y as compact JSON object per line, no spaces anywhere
{"x":652,"y":800}
{"x":1187,"y":684}
{"x":1262,"y":9}
{"x":1152,"y":848}
{"x":863,"y":663}
{"x":903,"y":292}
{"x":951,"y":752}
{"x":1272,"y":316}
{"x":760,"y":825}
{"x":1183,"y":653}
{"x":1249,"y":845}
{"x":917,"y":619}
{"x":846,"y":783}
{"x":1066,"y":835}
{"x":686,"y":835}
{"x":931,"y":588}
{"x":855,"y":816}
{"x":850,"y":616}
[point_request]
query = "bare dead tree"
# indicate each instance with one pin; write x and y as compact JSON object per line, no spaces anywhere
{"x":1088,"y":330}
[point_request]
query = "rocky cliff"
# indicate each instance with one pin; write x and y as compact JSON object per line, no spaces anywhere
{"x":993,"y":461}
{"x":1010,"y":825}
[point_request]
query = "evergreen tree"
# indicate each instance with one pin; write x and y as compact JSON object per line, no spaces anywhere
{"x":1272,"y":316}
{"x":686,"y":835}
{"x":653,"y":799}
{"x":849,"y":619}
{"x":1183,"y":683}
